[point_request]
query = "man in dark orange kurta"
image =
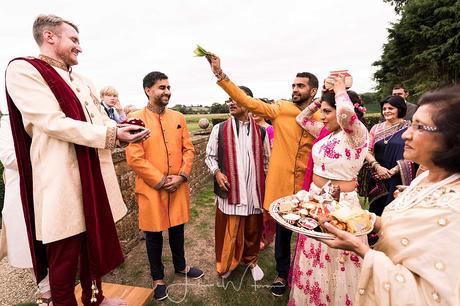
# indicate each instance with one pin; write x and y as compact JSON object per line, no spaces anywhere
{"x":163,"y":165}
{"x":290,"y":152}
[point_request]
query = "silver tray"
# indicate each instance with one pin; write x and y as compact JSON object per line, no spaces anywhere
{"x":274,"y":212}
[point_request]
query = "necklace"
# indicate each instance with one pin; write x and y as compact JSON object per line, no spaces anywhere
{"x":385,"y":140}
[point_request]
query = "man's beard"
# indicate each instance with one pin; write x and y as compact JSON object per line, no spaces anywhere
{"x":66,"y":58}
{"x":301,"y":100}
{"x":159,"y":101}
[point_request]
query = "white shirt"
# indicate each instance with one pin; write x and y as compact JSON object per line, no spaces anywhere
{"x":250,"y":204}
{"x":14,"y":229}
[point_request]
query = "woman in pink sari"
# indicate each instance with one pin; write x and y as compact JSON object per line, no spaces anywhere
{"x":269,"y":224}
{"x":320,"y":275}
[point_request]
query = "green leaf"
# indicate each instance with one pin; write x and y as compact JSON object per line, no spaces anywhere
{"x":200,"y":51}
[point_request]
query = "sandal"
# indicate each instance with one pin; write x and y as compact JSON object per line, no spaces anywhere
{"x":46,"y":301}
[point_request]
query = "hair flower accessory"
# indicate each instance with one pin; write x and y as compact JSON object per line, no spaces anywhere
{"x":360,"y":108}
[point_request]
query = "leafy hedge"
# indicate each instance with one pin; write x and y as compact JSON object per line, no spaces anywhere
{"x":370,"y":119}
{"x":215,"y":121}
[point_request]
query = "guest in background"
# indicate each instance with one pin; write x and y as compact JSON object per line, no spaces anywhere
{"x":129,"y":108}
{"x":112,"y":105}
{"x":269,"y":224}
{"x":401,"y":91}
{"x":268,"y":127}
{"x":385,"y":156}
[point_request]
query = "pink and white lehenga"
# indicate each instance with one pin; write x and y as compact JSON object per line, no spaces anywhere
{"x":319,"y":275}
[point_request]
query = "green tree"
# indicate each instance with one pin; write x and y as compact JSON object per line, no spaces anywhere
{"x":370,"y":98}
{"x":423,"y":48}
{"x":182,"y":109}
{"x":218,"y":108}
{"x":398,"y":4}
{"x":371,"y":101}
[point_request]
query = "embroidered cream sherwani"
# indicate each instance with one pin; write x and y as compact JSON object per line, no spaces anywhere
{"x":56,"y":178}
{"x":417,"y":259}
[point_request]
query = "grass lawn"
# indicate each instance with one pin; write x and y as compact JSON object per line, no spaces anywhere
{"x":238,"y":289}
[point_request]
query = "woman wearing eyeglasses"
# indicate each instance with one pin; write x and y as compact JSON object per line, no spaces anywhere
{"x":415,"y":261}
{"x":385,"y":156}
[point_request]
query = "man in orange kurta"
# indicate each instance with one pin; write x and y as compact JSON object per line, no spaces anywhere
{"x":290,"y":152}
{"x":163,"y":165}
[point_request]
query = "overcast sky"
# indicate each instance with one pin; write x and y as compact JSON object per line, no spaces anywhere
{"x":262,"y":44}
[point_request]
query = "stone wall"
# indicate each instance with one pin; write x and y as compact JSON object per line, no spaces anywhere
{"x":128,"y":230}
{"x":200,"y":173}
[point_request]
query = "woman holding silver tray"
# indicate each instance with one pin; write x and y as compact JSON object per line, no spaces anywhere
{"x":415,"y":261}
{"x":322,"y":275}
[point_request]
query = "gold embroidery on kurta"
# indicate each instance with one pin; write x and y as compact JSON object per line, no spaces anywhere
{"x":110,"y":138}
{"x":54,"y":62}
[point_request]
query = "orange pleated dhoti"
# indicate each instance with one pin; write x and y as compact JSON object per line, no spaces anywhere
{"x":237,"y":240}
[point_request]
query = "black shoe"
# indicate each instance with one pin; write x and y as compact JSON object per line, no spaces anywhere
{"x":160,"y":292}
{"x":278,"y":286}
{"x":192,"y":272}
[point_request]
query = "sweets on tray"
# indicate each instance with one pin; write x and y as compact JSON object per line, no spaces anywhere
{"x":306,"y":210}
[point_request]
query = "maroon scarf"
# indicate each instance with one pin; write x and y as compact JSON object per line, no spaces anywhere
{"x":104,"y":249}
{"x":231,"y":160}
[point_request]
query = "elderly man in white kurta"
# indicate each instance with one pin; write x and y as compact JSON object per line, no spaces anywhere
{"x":237,"y":155}
{"x":73,"y":189}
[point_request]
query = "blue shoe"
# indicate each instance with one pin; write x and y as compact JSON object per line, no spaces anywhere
{"x":160,"y":292}
{"x":279,"y":287}
{"x":192,"y":272}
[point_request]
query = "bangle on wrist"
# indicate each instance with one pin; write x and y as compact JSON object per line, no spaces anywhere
{"x":220,"y":75}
